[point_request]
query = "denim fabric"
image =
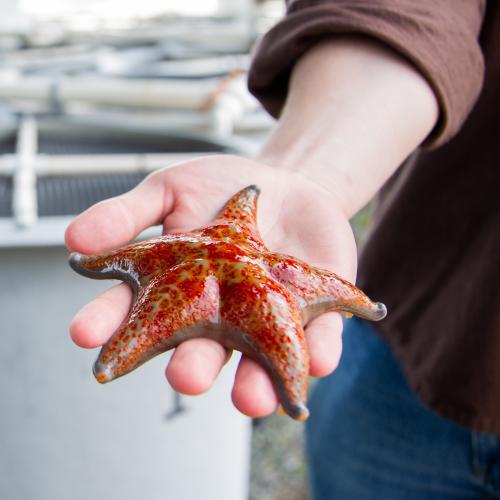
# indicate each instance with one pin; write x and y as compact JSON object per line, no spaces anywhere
{"x":370,"y":438}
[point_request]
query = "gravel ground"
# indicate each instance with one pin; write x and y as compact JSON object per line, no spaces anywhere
{"x":278,"y":469}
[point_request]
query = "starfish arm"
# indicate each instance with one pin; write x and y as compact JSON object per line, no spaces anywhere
{"x":241,"y":209}
{"x":263,"y":321}
{"x":173,"y":307}
{"x":137,"y":263}
{"x":320,"y":291}
{"x":236,"y":223}
{"x":118,"y":264}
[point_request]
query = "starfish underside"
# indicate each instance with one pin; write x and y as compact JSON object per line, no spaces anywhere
{"x":223,"y":283}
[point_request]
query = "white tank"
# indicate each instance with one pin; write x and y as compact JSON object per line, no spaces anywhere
{"x":64,"y":436}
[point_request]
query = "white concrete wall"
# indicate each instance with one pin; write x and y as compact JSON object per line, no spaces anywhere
{"x":64,"y":436}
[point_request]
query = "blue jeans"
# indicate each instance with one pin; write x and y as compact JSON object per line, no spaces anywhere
{"x":370,"y":438}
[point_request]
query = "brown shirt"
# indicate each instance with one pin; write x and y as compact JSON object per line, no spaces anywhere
{"x":433,"y":255}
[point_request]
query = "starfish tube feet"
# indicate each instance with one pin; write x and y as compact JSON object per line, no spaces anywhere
{"x":222,"y":282}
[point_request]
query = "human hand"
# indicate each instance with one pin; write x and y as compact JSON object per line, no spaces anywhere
{"x":296,"y":217}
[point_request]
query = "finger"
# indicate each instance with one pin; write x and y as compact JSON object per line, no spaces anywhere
{"x":324,"y":341}
{"x":99,"y":319}
{"x":195,"y":365}
{"x":253,"y":393}
{"x":116,"y":221}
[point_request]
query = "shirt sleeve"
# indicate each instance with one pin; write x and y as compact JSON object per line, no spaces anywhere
{"x":440,"y":37}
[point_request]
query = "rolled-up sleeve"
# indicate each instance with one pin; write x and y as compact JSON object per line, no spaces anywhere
{"x":440,"y":37}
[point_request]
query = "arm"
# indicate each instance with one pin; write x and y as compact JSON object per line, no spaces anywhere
{"x":355,"y":110}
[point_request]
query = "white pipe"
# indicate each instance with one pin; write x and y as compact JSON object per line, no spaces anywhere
{"x":225,"y":113}
{"x":35,"y":58}
{"x":169,"y":121}
{"x":199,"y":67}
{"x":146,"y":121}
{"x":24,"y":198}
{"x":142,"y":93}
{"x":176,"y":94}
{"x":209,"y":36}
{"x":230,"y":103}
{"x":98,"y":164}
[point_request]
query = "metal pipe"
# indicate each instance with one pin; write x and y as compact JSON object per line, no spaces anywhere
{"x":97,"y":164}
{"x":24,"y":197}
{"x":145,"y":93}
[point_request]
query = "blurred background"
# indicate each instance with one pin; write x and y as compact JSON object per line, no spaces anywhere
{"x":94,"y":95}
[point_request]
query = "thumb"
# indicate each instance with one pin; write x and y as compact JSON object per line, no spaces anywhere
{"x":116,"y":221}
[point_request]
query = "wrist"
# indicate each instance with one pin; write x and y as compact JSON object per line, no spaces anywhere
{"x":304,"y":173}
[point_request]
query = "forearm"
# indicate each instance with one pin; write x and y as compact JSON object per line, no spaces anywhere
{"x":355,"y":110}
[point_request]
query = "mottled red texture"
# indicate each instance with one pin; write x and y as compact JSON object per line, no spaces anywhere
{"x":222,"y":282}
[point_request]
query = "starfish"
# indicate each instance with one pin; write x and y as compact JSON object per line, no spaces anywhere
{"x":222,"y":282}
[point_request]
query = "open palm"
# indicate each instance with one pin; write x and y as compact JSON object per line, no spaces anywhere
{"x":296,"y":217}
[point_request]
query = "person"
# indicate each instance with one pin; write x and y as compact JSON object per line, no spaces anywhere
{"x":369,"y":95}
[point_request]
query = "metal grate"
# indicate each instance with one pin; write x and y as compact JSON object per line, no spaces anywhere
{"x":5,"y":196}
{"x":70,"y":195}
{"x":8,"y":145}
{"x":89,"y":142}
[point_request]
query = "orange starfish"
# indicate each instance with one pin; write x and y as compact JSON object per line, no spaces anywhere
{"x":222,"y":282}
